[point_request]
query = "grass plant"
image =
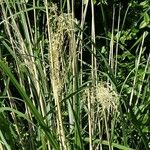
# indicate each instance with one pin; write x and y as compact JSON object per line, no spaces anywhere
{"x":52,"y":97}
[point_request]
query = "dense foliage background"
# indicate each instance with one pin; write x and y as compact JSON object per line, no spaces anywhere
{"x":74,"y":74}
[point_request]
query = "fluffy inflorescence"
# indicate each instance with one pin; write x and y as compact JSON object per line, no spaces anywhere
{"x":107,"y":97}
{"x":103,"y":96}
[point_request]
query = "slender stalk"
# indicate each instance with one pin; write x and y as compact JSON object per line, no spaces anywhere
{"x":107,"y":129}
{"x":143,"y":77}
{"x":137,"y":63}
{"x":90,"y":121}
{"x":111,"y":52}
{"x":93,"y":71}
{"x":117,"y":44}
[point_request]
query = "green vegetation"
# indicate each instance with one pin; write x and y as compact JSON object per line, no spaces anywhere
{"x":74,"y":75}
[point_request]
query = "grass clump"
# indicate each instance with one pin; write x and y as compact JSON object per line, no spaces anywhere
{"x":67,"y":84}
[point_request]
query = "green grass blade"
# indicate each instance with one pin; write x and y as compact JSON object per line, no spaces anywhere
{"x":27,"y":100}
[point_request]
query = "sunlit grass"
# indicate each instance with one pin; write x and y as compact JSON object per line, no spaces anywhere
{"x":51,"y":98}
